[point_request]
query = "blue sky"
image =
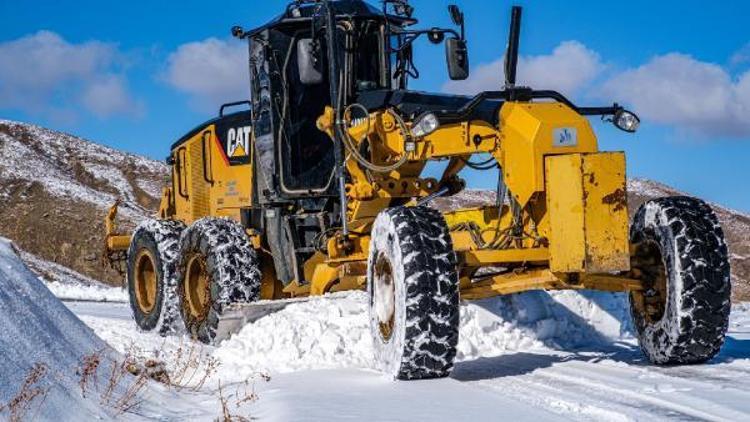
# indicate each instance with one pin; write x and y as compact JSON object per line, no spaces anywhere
{"x":135,"y":75}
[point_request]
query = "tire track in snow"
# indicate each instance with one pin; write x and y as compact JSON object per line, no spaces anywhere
{"x":520,"y":376}
{"x":558,"y":398}
{"x":681,"y":407}
{"x":642,"y":382}
{"x":606,"y":391}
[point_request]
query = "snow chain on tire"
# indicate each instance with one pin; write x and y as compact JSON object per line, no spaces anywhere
{"x":231,"y":266}
{"x":155,"y":245}
{"x":413,"y":290}
{"x":680,"y":254}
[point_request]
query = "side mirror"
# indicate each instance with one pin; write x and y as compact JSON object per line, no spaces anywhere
{"x":238,"y":32}
{"x":457,"y":56}
{"x":308,"y":64}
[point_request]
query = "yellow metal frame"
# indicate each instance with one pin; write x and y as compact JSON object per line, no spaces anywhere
{"x":568,"y":210}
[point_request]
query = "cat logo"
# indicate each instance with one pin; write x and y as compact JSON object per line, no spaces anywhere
{"x":238,"y":141}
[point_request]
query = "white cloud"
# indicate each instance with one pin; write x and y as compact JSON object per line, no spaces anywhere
{"x":107,"y":96}
{"x":673,"y":89}
{"x":741,"y":56}
{"x":211,"y":71}
{"x":569,"y":68}
{"x":44,"y":74}
{"x":678,"y":90}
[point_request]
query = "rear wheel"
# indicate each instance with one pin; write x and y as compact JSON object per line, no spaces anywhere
{"x":218,"y":267}
{"x":679,"y":253}
{"x":413,"y":290}
{"x":152,"y":284}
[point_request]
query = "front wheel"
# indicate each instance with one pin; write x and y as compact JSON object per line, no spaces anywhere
{"x":412,"y":285}
{"x":681,"y":315}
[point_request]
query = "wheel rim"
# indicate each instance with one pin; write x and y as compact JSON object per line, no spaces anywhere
{"x":197,"y":294}
{"x":145,"y":281}
{"x":648,"y":266}
{"x":384,"y":296}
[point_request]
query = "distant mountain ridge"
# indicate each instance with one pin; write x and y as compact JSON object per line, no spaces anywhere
{"x":55,"y":189}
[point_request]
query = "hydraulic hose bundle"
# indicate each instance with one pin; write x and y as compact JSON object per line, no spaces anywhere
{"x":351,"y":144}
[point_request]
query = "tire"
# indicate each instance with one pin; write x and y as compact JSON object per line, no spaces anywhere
{"x":682,"y":315}
{"x":151,"y":276}
{"x":412,"y":284}
{"x":219,"y":250}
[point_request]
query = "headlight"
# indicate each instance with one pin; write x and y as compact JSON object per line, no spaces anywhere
{"x":425,"y":125}
{"x":626,"y":120}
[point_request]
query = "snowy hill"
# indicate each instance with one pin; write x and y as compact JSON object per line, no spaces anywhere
{"x":55,"y":189}
{"x":32,"y":322}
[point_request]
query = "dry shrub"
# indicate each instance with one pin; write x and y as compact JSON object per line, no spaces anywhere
{"x":190,"y":366}
{"x":120,"y":390}
{"x":30,"y":391}
{"x":244,"y":394}
{"x":193,"y":369}
{"x":87,"y":371}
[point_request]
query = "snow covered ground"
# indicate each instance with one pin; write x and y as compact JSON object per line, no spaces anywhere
{"x":533,"y":356}
{"x":69,"y":285}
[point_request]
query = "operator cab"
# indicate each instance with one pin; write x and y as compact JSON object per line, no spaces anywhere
{"x":298,"y":169}
{"x":290,"y":77}
{"x":290,"y":90}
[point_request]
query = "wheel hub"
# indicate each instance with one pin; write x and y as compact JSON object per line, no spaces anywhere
{"x":197,"y":299}
{"x":648,"y":266}
{"x":384,"y":296}
{"x":145,"y":281}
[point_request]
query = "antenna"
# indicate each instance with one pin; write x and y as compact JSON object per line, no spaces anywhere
{"x":511,"y":54}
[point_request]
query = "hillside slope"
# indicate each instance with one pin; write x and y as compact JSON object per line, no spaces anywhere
{"x":55,"y":189}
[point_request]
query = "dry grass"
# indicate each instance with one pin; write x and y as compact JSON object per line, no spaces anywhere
{"x":124,"y":380}
{"x":119,"y":383}
{"x":187,"y":367}
{"x":31,"y":391}
{"x":243,"y":395}
{"x":87,"y":371}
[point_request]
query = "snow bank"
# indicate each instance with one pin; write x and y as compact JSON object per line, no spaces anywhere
{"x":333,"y":332}
{"x":70,"y":285}
{"x":92,"y":293}
{"x":35,"y":327}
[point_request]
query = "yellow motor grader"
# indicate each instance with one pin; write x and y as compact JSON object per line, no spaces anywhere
{"x":318,"y":187}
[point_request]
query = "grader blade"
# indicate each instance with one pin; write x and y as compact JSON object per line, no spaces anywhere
{"x":241,"y":314}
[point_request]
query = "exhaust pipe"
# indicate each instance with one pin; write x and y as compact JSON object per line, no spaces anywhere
{"x":511,"y":54}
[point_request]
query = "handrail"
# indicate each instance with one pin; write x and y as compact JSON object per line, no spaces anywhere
{"x":521,"y":94}
{"x":178,"y":166}
{"x":206,"y":136}
{"x":232,"y":104}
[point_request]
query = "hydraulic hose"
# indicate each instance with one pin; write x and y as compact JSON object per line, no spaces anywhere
{"x":351,"y":144}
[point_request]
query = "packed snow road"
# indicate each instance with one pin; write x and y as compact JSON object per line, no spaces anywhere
{"x":559,"y":356}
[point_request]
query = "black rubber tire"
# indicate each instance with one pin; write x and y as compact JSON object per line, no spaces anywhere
{"x":424,"y":291}
{"x":162,"y":239}
{"x":232,"y":265}
{"x":690,"y":326}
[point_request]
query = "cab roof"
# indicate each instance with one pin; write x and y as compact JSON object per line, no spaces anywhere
{"x":298,"y":12}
